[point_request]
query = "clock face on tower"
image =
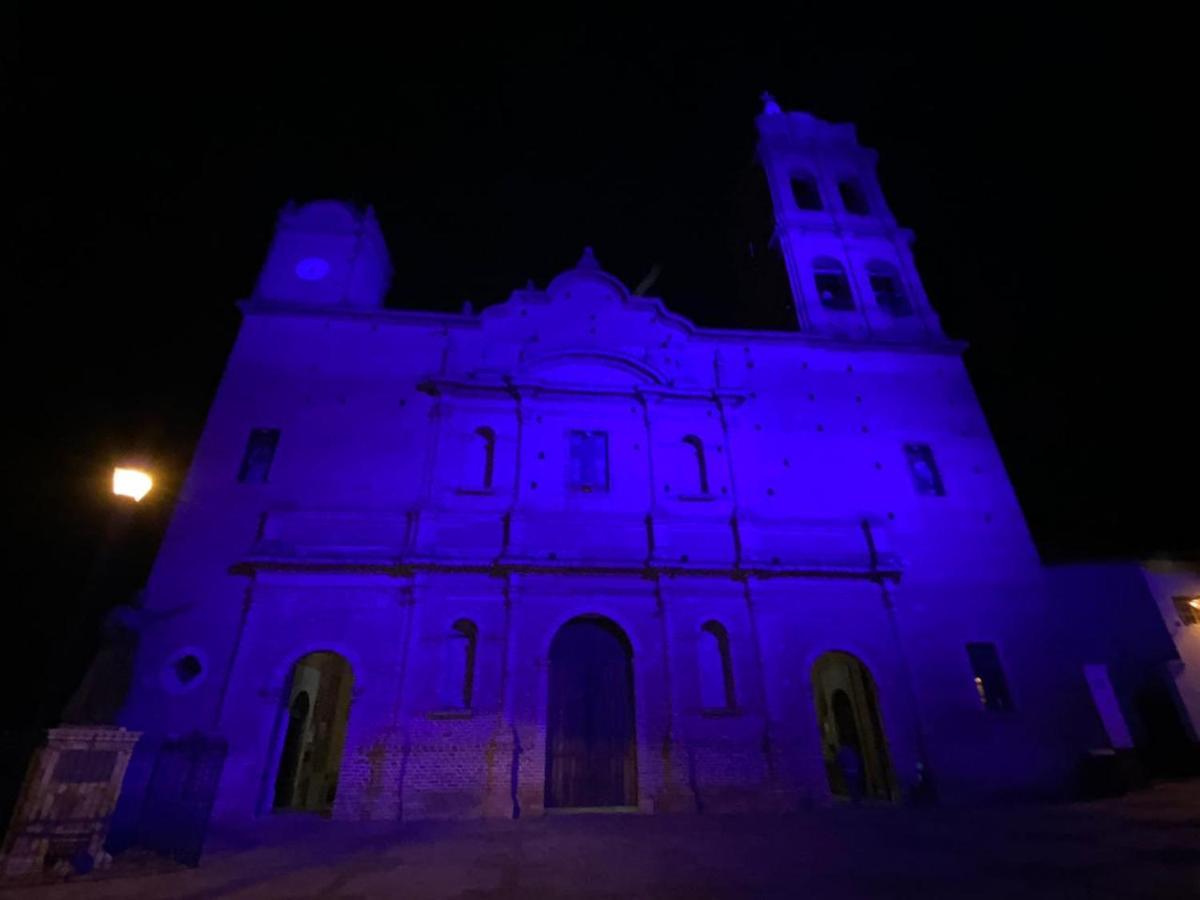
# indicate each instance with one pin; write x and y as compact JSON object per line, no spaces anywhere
{"x":312,"y":268}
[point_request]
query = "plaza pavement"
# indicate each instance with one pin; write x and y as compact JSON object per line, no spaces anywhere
{"x":1143,"y":845}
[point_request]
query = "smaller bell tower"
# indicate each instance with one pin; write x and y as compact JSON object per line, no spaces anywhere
{"x":849,"y":263}
{"x":326,"y":253}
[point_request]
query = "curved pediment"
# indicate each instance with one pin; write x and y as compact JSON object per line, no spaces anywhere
{"x":591,"y":367}
{"x":588,"y":286}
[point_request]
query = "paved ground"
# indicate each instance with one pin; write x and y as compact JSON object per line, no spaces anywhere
{"x":1143,"y":845}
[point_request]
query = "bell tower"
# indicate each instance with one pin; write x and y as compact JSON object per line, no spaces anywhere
{"x":849,"y":263}
{"x":326,"y":253}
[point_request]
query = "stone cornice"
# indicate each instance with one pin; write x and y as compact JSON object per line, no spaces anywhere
{"x":435,"y":386}
{"x":887,"y":568}
{"x":417,"y":318}
{"x":431,"y":539}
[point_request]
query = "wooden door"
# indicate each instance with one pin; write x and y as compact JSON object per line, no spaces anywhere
{"x":590,"y":752}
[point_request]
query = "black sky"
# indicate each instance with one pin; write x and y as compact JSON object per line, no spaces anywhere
{"x":146,"y":160}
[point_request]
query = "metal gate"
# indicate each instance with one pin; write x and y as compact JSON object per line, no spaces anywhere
{"x":179,"y":797}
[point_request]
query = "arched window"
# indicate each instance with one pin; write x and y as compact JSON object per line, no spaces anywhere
{"x":854,"y":200}
{"x":888,"y":289}
{"x":458,"y":668}
{"x":697,"y":446}
{"x":805,"y":192}
{"x":716,"y":668}
{"x":487,"y":445}
{"x":833,"y":287}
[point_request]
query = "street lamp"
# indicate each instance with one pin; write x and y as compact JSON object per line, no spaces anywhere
{"x":131,"y":483}
{"x":134,"y":484}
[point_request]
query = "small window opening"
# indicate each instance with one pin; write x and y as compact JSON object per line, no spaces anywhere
{"x":990,"y":683}
{"x":701,"y":464}
{"x":187,"y":668}
{"x":260,"y":453}
{"x":588,"y":463}
{"x":926,"y":477}
{"x":487,"y":441}
{"x":1188,"y":610}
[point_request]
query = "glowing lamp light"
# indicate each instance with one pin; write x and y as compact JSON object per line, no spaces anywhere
{"x":131,"y":483}
{"x":1194,"y":603}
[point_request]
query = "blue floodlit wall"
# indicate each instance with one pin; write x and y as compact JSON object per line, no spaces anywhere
{"x":815,"y":526}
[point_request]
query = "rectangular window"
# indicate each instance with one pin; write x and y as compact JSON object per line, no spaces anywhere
{"x":990,"y":682}
{"x":806,"y":193}
{"x":925,"y":474}
{"x":260,"y":452}
{"x":589,"y":461}
{"x":1188,"y":610}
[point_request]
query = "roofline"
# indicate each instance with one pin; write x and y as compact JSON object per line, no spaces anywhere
{"x":940,"y":347}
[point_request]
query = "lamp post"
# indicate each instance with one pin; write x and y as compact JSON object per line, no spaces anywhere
{"x":74,"y":770}
{"x":130,"y":485}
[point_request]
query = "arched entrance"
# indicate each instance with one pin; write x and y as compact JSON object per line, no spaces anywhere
{"x":591,"y":757}
{"x":852,"y":739}
{"x":318,"y":707}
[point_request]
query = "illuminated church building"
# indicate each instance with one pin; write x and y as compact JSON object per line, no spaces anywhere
{"x":574,"y":551}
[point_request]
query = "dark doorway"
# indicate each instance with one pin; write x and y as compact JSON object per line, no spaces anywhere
{"x":843,"y":719}
{"x":293,"y":746}
{"x":179,"y":797}
{"x":591,"y":757}
{"x":851,"y":728}
{"x":318,"y":707}
{"x":1164,"y":746}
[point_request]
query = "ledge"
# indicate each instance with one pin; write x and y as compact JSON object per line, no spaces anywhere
{"x":450,"y":714}
{"x":436,"y":385}
{"x":888,"y":569}
{"x":483,"y":540}
{"x":721,"y":712}
{"x":926,"y":344}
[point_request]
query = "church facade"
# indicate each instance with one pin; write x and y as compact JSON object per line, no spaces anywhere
{"x":576,"y":552}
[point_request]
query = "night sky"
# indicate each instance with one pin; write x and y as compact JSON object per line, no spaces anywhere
{"x":147,"y":159}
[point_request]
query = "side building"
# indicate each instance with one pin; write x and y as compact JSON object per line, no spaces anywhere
{"x":1135,"y":630}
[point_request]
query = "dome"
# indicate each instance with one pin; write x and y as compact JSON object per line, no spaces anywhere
{"x":322,"y":215}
